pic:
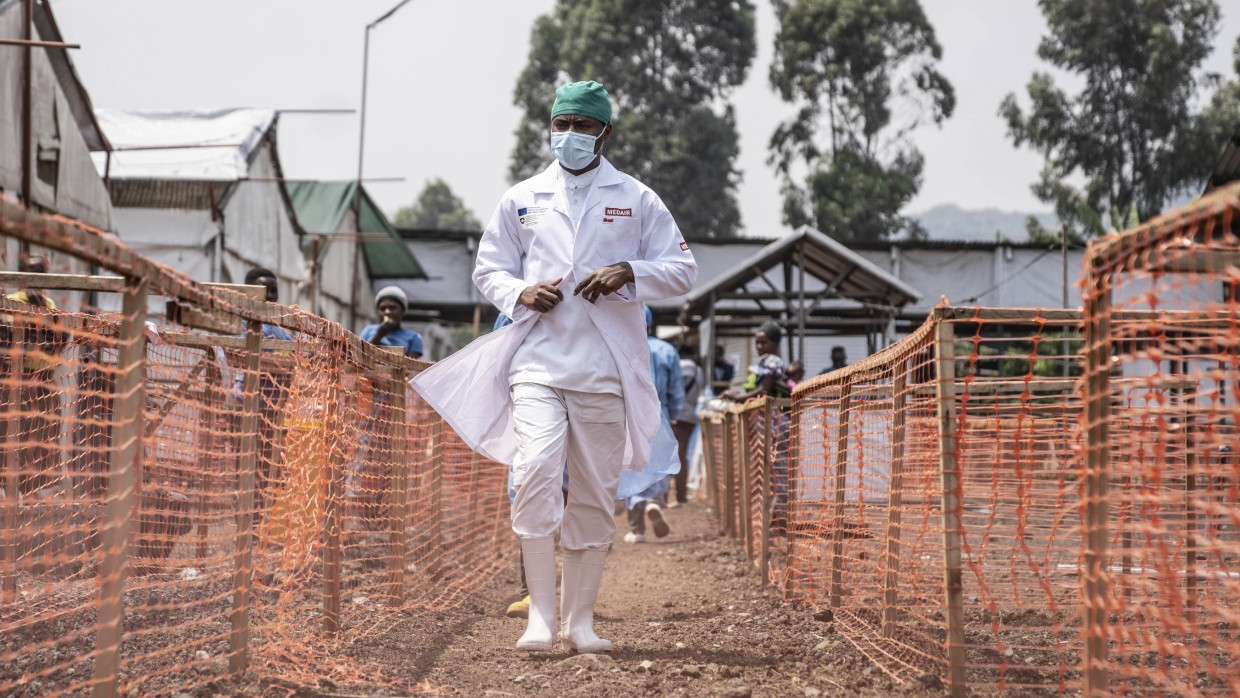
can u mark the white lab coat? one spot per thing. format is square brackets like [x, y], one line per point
[529, 239]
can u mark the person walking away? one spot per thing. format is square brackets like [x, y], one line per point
[570, 255]
[687, 422]
[669, 384]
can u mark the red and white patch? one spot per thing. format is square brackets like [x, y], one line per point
[609, 220]
[626, 212]
[684, 245]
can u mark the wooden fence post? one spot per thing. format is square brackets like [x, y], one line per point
[399, 478]
[745, 491]
[247, 466]
[471, 508]
[12, 466]
[953, 575]
[729, 471]
[841, 495]
[206, 455]
[434, 552]
[333, 504]
[125, 460]
[710, 436]
[895, 493]
[768, 461]
[796, 411]
[1097, 437]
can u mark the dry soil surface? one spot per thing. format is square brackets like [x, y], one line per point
[686, 613]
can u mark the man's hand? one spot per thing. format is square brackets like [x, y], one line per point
[542, 296]
[604, 280]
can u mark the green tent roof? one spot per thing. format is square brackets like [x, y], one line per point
[321, 207]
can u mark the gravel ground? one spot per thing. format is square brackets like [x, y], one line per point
[686, 614]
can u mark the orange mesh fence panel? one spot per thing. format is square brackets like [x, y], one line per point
[932, 500]
[180, 506]
[1160, 574]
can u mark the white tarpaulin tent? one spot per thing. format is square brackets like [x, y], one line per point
[202, 191]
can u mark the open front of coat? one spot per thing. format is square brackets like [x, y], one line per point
[529, 239]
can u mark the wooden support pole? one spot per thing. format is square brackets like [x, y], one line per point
[1097, 417]
[471, 508]
[841, 496]
[745, 491]
[399, 480]
[247, 481]
[435, 551]
[768, 462]
[12, 465]
[791, 515]
[333, 505]
[206, 459]
[710, 439]
[729, 461]
[895, 493]
[949, 467]
[123, 476]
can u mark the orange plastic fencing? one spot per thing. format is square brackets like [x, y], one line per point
[182, 505]
[975, 415]
[1161, 476]
[1027, 500]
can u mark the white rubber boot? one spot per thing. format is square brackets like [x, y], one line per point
[540, 580]
[583, 569]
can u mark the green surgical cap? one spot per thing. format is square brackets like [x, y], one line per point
[584, 99]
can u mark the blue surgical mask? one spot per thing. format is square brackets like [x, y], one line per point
[574, 150]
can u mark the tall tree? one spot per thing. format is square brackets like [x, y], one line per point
[864, 76]
[669, 67]
[1130, 131]
[437, 208]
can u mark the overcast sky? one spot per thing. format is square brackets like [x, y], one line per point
[442, 74]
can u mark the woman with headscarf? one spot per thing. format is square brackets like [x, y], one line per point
[767, 378]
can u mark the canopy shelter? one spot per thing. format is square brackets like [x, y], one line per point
[809, 283]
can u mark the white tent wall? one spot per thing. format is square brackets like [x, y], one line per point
[77, 189]
[258, 230]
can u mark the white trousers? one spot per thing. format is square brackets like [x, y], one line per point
[584, 432]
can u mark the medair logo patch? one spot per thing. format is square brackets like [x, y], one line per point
[619, 212]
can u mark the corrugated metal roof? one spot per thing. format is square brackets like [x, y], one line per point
[845, 273]
[321, 207]
[166, 193]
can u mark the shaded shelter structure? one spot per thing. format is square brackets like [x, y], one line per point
[811, 284]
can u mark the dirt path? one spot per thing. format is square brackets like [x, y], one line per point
[687, 617]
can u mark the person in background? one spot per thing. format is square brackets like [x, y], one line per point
[769, 378]
[669, 384]
[38, 434]
[687, 421]
[796, 373]
[391, 304]
[723, 370]
[838, 360]
[271, 391]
